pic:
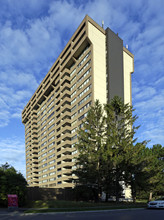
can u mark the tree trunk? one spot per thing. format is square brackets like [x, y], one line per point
[117, 189]
[106, 197]
[133, 192]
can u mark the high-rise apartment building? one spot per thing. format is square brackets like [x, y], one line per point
[93, 65]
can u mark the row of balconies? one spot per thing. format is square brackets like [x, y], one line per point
[63, 59]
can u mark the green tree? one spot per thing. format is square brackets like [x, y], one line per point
[152, 173]
[90, 149]
[108, 156]
[136, 168]
[155, 169]
[11, 182]
[120, 130]
[157, 179]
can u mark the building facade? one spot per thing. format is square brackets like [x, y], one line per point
[93, 65]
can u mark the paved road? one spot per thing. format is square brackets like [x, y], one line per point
[143, 214]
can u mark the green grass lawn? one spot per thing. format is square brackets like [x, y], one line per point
[62, 206]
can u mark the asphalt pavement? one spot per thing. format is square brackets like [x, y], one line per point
[131, 214]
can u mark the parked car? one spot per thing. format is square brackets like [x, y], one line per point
[156, 204]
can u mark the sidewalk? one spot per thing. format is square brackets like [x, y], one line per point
[7, 211]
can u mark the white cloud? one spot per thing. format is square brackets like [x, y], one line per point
[13, 151]
[4, 118]
[145, 92]
[34, 32]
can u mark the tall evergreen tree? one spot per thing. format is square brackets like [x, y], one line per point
[136, 172]
[90, 149]
[150, 178]
[107, 154]
[155, 169]
[120, 130]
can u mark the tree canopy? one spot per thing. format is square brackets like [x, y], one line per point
[108, 155]
[11, 182]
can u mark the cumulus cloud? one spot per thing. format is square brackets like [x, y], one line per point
[13, 151]
[34, 32]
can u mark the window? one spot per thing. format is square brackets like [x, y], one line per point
[84, 91]
[52, 179]
[43, 155]
[43, 133]
[43, 128]
[73, 79]
[43, 118]
[44, 165]
[45, 170]
[84, 51]
[84, 67]
[43, 107]
[51, 127]
[43, 149]
[44, 143]
[52, 161]
[84, 83]
[51, 133]
[43, 112]
[74, 130]
[74, 85]
[83, 116]
[51, 138]
[84, 75]
[43, 138]
[74, 115]
[84, 107]
[84, 59]
[51, 150]
[50, 145]
[51, 168]
[73, 72]
[50, 104]
[43, 122]
[73, 101]
[44, 160]
[51, 156]
[73, 123]
[50, 115]
[51, 109]
[74, 152]
[50, 98]
[74, 137]
[84, 99]
[51, 121]
[73, 93]
[45, 175]
[72, 109]
[52, 173]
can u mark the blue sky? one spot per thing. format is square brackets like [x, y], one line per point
[34, 32]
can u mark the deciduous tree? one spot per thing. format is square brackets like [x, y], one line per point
[11, 182]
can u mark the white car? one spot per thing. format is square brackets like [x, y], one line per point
[157, 204]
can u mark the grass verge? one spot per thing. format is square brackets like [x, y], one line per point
[69, 206]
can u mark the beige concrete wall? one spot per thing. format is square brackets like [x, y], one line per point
[127, 192]
[128, 69]
[99, 62]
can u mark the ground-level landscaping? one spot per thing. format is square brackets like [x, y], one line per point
[63, 206]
